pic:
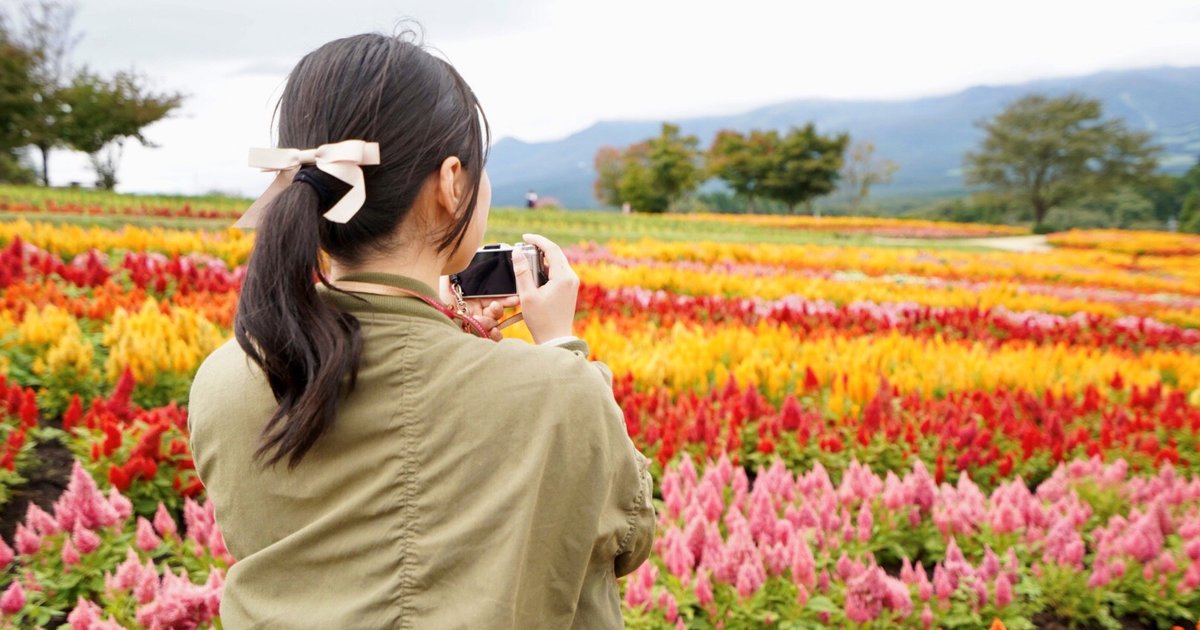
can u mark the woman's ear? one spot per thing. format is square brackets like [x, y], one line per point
[452, 180]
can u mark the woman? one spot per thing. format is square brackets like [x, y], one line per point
[372, 464]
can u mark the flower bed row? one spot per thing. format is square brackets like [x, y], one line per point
[990, 435]
[1090, 546]
[1129, 242]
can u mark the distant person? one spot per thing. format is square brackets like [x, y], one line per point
[626, 208]
[531, 200]
[373, 463]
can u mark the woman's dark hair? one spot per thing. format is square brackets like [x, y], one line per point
[416, 106]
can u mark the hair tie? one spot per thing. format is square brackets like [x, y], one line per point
[343, 160]
[325, 196]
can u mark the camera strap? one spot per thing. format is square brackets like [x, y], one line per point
[465, 321]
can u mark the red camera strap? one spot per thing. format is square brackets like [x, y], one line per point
[466, 322]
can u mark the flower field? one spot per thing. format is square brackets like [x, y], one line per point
[844, 435]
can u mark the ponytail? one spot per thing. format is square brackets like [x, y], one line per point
[305, 347]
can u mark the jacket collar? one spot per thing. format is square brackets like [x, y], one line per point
[373, 303]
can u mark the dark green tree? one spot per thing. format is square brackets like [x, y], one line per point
[806, 166]
[1189, 215]
[743, 161]
[16, 105]
[104, 113]
[1049, 151]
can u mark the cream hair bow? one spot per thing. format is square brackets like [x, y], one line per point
[344, 160]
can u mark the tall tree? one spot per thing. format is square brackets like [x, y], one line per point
[862, 170]
[743, 161]
[649, 175]
[674, 162]
[49, 36]
[1048, 151]
[104, 113]
[16, 104]
[806, 166]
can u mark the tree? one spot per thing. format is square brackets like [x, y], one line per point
[806, 166]
[103, 114]
[743, 162]
[863, 170]
[49, 37]
[1049, 151]
[16, 105]
[674, 163]
[1189, 215]
[69, 108]
[649, 175]
[608, 164]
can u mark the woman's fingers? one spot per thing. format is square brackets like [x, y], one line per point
[557, 265]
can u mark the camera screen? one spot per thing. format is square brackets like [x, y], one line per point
[489, 274]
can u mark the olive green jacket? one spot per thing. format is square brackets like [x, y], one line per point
[464, 484]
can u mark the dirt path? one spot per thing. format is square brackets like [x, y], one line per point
[1031, 243]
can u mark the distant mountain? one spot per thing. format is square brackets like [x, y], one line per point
[927, 137]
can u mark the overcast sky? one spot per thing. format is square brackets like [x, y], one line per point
[546, 69]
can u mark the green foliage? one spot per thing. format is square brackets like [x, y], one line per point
[1049, 151]
[744, 162]
[1189, 215]
[105, 112]
[45, 104]
[650, 175]
[805, 166]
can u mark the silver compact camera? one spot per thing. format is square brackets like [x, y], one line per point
[490, 273]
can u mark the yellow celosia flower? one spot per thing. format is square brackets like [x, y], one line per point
[156, 339]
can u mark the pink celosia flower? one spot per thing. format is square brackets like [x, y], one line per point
[670, 608]
[86, 616]
[750, 578]
[13, 599]
[178, 603]
[927, 617]
[823, 581]
[85, 539]
[1192, 549]
[1191, 578]
[82, 504]
[120, 504]
[1004, 591]
[636, 595]
[864, 595]
[803, 563]
[41, 522]
[70, 555]
[924, 586]
[28, 541]
[801, 596]
[6, 554]
[1166, 562]
[126, 576]
[991, 563]
[704, 594]
[943, 585]
[865, 523]
[147, 540]
[163, 521]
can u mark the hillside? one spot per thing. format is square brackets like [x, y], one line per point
[926, 136]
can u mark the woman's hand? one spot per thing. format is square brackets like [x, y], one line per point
[486, 311]
[549, 310]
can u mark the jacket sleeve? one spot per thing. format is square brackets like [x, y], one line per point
[633, 487]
